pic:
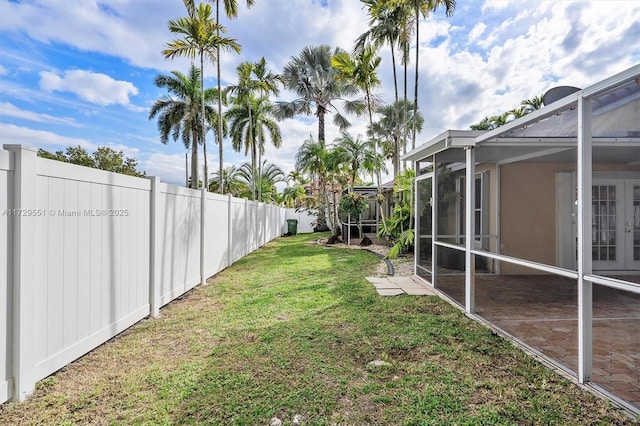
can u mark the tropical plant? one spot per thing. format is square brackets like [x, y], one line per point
[355, 152]
[422, 8]
[254, 79]
[399, 226]
[317, 86]
[310, 160]
[271, 175]
[527, 106]
[375, 164]
[103, 158]
[393, 126]
[297, 177]
[335, 161]
[385, 22]
[200, 37]
[361, 70]
[351, 206]
[232, 184]
[180, 117]
[231, 10]
[293, 196]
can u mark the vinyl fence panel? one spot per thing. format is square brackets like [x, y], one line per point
[240, 228]
[179, 215]
[91, 266]
[85, 254]
[6, 321]
[217, 239]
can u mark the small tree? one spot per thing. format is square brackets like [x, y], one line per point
[351, 206]
[104, 158]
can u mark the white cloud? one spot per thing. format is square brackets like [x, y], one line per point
[530, 52]
[92, 87]
[477, 31]
[497, 4]
[7, 109]
[12, 134]
[3, 70]
[170, 167]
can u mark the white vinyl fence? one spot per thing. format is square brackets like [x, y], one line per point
[85, 254]
[306, 219]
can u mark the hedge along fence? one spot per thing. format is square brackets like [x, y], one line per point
[85, 254]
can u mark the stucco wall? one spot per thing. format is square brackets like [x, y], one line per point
[528, 210]
[528, 213]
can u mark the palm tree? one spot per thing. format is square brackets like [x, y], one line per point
[422, 8]
[392, 127]
[530, 105]
[271, 175]
[296, 176]
[293, 196]
[231, 10]
[527, 106]
[385, 21]
[251, 123]
[309, 159]
[232, 184]
[312, 78]
[335, 162]
[254, 78]
[355, 153]
[182, 116]
[200, 37]
[361, 69]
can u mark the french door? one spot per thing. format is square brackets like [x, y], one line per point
[615, 207]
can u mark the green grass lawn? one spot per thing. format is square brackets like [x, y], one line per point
[288, 332]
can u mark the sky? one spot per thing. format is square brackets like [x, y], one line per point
[82, 72]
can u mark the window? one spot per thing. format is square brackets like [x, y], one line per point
[480, 210]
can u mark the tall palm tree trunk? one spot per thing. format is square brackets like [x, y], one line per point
[405, 112]
[194, 159]
[260, 172]
[415, 89]
[253, 155]
[334, 210]
[393, 64]
[219, 130]
[205, 178]
[321, 110]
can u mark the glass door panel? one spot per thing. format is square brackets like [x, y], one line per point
[632, 224]
[606, 236]
[424, 213]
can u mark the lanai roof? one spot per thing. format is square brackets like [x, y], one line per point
[552, 130]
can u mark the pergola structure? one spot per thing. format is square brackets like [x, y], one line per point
[535, 227]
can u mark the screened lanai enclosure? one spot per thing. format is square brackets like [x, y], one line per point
[534, 227]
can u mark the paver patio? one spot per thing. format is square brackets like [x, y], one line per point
[542, 312]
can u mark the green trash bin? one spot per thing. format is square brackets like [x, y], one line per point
[292, 225]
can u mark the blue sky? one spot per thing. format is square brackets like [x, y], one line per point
[81, 73]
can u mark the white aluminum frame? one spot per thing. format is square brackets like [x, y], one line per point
[582, 101]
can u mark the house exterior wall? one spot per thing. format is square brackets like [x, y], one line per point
[490, 171]
[528, 213]
[528, 210]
